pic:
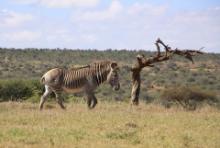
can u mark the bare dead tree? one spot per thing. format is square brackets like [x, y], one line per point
[142, 62]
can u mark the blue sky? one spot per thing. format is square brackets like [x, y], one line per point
[116, 24]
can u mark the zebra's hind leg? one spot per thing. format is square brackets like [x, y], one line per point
[47, 92]
[59, 99]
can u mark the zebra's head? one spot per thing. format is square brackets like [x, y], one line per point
[113, 78]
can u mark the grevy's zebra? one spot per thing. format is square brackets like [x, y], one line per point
[83, 79]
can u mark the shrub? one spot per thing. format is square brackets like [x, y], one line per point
[187, 97]
[14, 90]
[37, 90]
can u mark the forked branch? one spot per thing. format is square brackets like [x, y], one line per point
[142, 62]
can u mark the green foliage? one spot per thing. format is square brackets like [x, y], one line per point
[188, 97]
[15, 90]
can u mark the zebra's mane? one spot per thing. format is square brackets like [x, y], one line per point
[102, 63]
[79, 67]
[101, 67]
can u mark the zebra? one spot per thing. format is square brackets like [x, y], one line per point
[82, 79]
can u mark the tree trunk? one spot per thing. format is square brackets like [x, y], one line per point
[136, 85]
[142, 62]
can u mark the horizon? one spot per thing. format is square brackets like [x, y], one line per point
[116, 24]
[93, 49]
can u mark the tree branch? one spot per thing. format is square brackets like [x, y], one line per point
[142, 62]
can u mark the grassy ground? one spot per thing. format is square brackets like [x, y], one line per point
[109, 125]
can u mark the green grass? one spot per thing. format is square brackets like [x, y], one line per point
[109, 125]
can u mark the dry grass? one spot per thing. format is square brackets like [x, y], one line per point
[110, 125]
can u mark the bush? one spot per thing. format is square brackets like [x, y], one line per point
[37, 90]
[14, 90]
[19, 89]
[188, 97]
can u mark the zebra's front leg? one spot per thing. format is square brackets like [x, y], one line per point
[47, 92]
[91, 100]
[94, 101]
[59, 99]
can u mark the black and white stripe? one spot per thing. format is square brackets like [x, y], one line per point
[83, 79]
[76, 78]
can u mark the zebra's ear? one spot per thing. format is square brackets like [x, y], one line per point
[114, 65]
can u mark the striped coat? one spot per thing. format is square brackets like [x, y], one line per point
[83, 79]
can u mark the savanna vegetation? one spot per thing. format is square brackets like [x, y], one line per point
[109, 125]
[169, 90]
[21, 69]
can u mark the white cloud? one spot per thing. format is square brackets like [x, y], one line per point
[25, 2]
[68, 3]
[119, 25]
[64, 37]
[103, 15]
[89, 38]
[21, 36]
[13, 19]
[138, 9]
[194, 29]
[56, 35]
[60, 3]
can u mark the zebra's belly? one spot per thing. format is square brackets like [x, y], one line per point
[72, 90]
